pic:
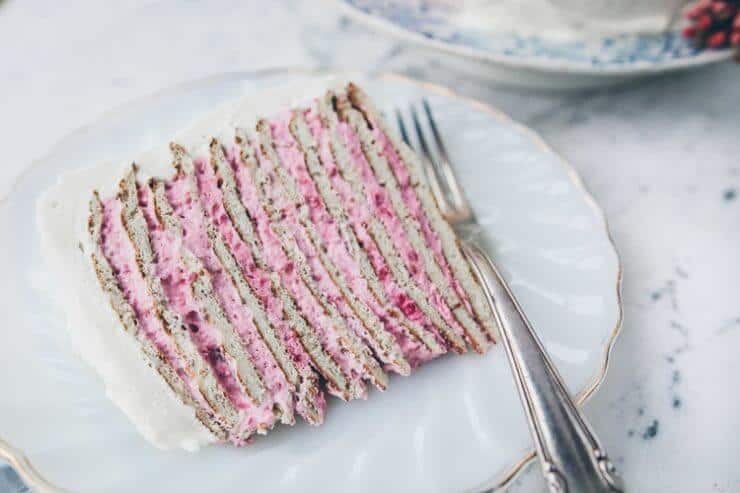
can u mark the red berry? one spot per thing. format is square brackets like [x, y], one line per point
[704, 22]
[735, 39]
[719, 6]
[696, 11]
[689, 32]
[717, 40]
[722, 10]
[736, 23]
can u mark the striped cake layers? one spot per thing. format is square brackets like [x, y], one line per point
[305, 256]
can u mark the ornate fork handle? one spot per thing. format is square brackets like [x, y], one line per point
[571, 457]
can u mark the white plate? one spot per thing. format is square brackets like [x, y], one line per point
[530, 61]
[455, 425]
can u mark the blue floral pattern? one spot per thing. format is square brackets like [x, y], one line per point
[432, 20]
[10, 482]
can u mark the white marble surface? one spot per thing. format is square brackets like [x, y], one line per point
[661, 156]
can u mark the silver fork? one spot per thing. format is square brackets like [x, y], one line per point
[571, 457]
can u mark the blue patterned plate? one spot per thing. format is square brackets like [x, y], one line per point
[577, 63]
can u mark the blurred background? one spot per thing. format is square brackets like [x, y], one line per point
[661, 155]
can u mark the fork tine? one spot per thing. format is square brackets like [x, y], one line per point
[426, 160]
[420, 133]
[428, 152]
[442, 190]
[444, 166]
[402, 127]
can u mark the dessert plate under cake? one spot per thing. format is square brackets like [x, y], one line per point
[543, 229]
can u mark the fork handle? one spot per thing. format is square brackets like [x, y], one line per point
[571, 457]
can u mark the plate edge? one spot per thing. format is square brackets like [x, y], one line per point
[23, 466]
[548, 66]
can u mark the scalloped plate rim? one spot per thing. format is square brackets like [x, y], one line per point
[36, 480]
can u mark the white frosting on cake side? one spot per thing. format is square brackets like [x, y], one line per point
[62, 213]
[93, 326]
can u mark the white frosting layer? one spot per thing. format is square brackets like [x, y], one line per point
[96, 333]
[569, 19]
